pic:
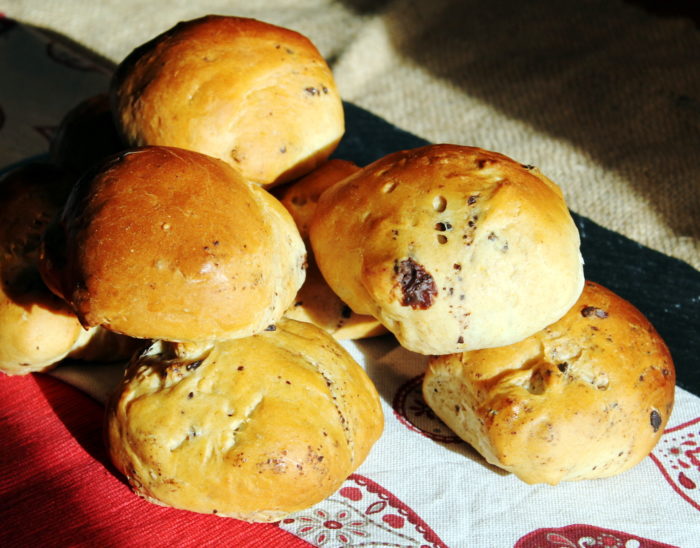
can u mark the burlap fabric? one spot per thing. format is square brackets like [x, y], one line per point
[602, 95]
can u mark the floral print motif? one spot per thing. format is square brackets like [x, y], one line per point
[362, 513]
[584, 536]
[678, 457]
[322, 528]
[412, 411]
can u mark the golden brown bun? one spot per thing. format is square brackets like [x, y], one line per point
[85, 136]
[254, 428]
[255, 95]
[451, 248]
[587, 397]
[164, 243]
[37, 329]
[316, 302]
[301, 197]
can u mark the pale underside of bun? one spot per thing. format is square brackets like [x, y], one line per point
[301, 197]
[587, 397]
[253, 428]
[451, 248]
[257, 96]
[316, 302]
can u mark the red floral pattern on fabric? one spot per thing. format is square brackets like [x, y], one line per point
[362, 513]
[678, 457]
[412, 411]
[585, 536]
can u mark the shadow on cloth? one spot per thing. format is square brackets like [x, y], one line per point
[82, 416]
[397, 374]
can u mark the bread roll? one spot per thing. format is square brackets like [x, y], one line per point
[301, 197]
[316, 302]
[586, 397]
[37, 329]
[452, 248]
[255, 95]
[164, 243]
[85, 136]
[254, 428]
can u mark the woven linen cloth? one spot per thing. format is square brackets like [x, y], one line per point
[602, 96]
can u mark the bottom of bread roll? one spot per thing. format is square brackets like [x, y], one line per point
[253, 428]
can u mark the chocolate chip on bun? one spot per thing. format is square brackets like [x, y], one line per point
[165, 243]
[450, 247]
[586, 397]
[257, 96]
[252, 428]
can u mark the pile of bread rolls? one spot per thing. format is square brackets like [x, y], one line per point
[473, 259]
[194, 220]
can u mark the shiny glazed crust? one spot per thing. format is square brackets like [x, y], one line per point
[255, 95]
[587, 397]
[252, 428]
[451, 248]
[163, 243]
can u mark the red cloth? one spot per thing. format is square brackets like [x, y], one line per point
[57, 487]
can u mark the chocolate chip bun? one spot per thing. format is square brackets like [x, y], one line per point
[452, 248]
[253, 428]
[301, 197]
[257, 96]
[37, 329]
[587, 397]
[165, 243]
[316, 302]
